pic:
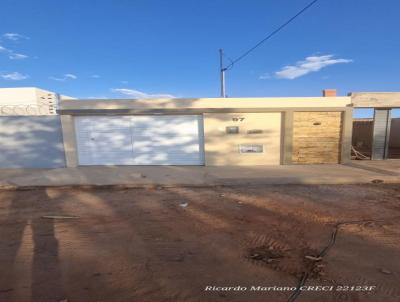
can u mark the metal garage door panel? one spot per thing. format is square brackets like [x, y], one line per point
[140, 140]
[104, 140]
[167, 140]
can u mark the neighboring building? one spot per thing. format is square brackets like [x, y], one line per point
[28, 101]
[363, 129]
[383, 143]
[207, 131]
[30, 129]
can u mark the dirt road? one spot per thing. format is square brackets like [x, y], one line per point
[191, 244]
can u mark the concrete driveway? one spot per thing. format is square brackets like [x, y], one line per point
[354, 172]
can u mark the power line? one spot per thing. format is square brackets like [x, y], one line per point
[270, 35]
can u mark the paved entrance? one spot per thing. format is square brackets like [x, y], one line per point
[354, 172]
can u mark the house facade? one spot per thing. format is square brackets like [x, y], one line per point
[207, 131]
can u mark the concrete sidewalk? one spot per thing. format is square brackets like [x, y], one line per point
[355, 172]
[388, 167]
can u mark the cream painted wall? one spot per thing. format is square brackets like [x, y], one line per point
[209, 103]
[223, 149]
[375, 99]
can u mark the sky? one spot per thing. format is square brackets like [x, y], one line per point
[147, 48]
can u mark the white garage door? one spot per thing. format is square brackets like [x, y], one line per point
[140, 140]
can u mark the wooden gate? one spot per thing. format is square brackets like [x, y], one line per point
[316, 137]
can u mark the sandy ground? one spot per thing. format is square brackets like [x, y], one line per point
[169, 244]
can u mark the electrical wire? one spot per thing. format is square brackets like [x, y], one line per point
[270, 35]
[325, 250]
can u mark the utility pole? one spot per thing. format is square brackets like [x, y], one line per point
[222, 70]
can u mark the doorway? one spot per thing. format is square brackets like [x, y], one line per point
[394, 138]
